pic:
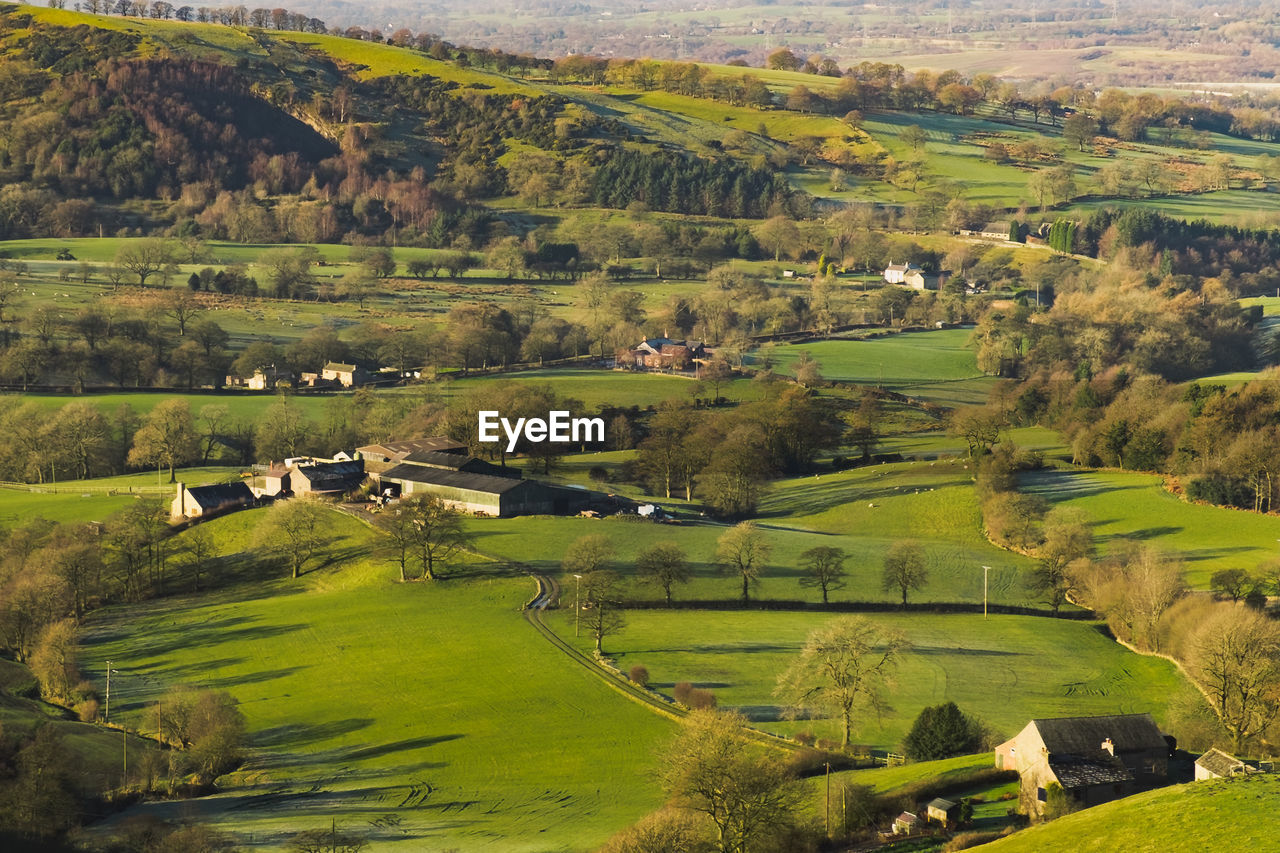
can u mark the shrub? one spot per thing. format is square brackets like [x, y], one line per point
[598, 473]
[965, 840]
[805, 738]
[87, 710]
[639, 675]
[681, 692]
[701, 700]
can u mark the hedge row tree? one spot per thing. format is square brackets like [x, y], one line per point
[904, 569]
[742, 552]
[1067, 538]
[844, 666]
[663, 564]
[168, 437]
[823, 568]
[601, 605]
[746, 793]
[1235, 657]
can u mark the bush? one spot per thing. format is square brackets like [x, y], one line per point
[87, 710]
[965, 840]
[681, 692]
[701, 700]
[805, 738]
[942, 731]
[639, 675]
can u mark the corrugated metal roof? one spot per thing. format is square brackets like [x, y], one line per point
[455, 479]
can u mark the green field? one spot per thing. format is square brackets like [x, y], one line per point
[595, 388]
[1127, 505]
[1003, 669]
[863, 511]
[894, 361]
[1182, 817]
[428, 715]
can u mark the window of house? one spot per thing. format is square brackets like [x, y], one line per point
[1042, 795]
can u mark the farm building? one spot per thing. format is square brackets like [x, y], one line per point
[379, 457]
[663, 353]
[483, 494]
[905, 824]
[897, 273]
[201, 501]
[317, 478]
[1216, 764]
[264, 380]
[1094, 759]
[346, 375]
[921, 280]
[942, 811]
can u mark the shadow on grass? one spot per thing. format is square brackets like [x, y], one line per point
[301, 734]
[365, 753]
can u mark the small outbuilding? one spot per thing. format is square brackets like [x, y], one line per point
[906, 823]
[1216, 764]
[203, 501]
[330, 478]
[942, 811]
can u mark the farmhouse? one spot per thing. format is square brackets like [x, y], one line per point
[1094, 759]
[201, 501]
[1216, 764]
[346, 375]
[325, 478]
[897, 273]
[995, 230]
[921, 280]
[663, 353]
[264, 380]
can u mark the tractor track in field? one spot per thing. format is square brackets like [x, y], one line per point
[548, 595]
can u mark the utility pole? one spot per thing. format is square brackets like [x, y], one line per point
[985, 571]
[577, 610]
[828, 809]
[106, 711]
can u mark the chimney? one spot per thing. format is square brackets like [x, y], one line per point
[182, 500]
[1109, 747]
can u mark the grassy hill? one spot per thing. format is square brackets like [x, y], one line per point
[429, 716]
[1130, 505]
[1225, 814]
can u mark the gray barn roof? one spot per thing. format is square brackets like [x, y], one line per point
[1077, 771]
[1219, 763]
[454, 479]
[220, 494]
[1084, 735]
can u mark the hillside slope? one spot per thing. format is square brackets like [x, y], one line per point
[1223, 815]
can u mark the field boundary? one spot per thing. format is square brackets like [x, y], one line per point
[546, 595]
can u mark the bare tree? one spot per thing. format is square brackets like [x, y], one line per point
[823, 568]
[601, 604]
[663, 564]
[293, 531]
[844, 665]
[1235, 656]
[145, 258]
[746, 793]
[426, 529]
[743, 551]
[904, 569]
[168, 437]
